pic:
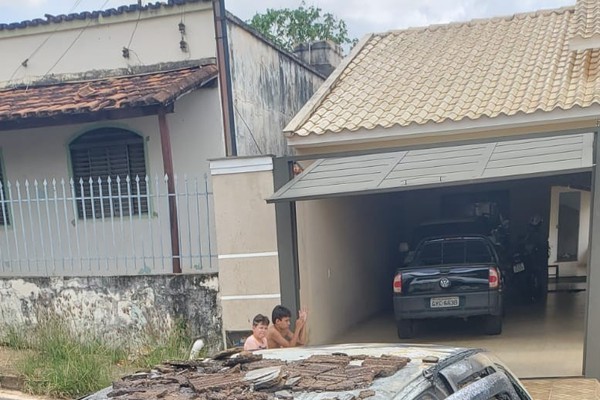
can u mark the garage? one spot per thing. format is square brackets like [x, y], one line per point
[495, 118]
[353, 212]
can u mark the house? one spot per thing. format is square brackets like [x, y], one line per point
[130, 93]
[494, 117]
[107, 122]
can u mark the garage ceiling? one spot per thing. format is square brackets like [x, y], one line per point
[443, 166]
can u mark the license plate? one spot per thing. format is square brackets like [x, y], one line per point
[519, 267]
[442, 302]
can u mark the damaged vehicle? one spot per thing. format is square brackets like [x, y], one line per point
[342, 372]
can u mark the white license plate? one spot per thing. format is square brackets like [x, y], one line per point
[442, 302]
[519, 267]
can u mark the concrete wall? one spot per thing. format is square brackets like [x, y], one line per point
[269, 88]
[345, 265]
[247, 240]
[43, 153]
[97, 44]
[118, 309]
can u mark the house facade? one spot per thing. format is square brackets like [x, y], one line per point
[494, 118]
[108, 121]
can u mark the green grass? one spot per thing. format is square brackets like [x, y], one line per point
[175, 346]
[61, 364]
[15, 339]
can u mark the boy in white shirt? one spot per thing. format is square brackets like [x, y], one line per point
[258, 339]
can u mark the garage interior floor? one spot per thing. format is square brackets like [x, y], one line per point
[537, 341]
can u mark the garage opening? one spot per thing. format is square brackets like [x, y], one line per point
[356, 217]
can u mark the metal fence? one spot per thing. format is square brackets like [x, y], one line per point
[105, 226]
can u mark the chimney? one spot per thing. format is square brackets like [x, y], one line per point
[323, 55]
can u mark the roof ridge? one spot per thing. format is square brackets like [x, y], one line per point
[94, 14]
[478, 21]
[99, 75]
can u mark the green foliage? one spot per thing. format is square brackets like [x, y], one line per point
[61, 364]
[289, 27]
[176, 346]
[14, 338]
[66, 366]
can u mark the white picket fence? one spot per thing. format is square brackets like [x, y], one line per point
[99, 227]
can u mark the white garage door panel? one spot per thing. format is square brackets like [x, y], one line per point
[438, 170]
[544, 159]
[337, 166]
[558, 166]
[408, 165]
[449, 154]
[525, 144]
[528, 152]
[405, 170]
[320, 174]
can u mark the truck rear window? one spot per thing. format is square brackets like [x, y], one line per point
[462, 251]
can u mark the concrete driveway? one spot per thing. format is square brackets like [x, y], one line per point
[536, 341]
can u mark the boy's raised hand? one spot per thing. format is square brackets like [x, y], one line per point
[303, 314]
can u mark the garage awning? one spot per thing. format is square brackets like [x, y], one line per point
[443, 166]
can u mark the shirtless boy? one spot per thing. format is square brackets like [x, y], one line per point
[279, 333]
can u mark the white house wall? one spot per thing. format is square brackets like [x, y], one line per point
[43, 154]
[269, 88]
[97, 44]
[343, 254]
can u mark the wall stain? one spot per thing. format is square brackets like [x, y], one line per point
[119, 308]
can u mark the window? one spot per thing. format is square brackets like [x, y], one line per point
[109, 154]
[440, 252]
[4, 206]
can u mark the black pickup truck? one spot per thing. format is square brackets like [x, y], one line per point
[450, 276]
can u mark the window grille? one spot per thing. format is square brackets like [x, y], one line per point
[109, 168]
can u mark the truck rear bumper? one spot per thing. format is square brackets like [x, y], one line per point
[470, 304]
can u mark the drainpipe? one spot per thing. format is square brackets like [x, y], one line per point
[167, 156]
[224, 66]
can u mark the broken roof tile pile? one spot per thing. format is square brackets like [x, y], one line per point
[482, 68]
[224, 377]
[150, 89]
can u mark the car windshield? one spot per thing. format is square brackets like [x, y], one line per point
[454, 251]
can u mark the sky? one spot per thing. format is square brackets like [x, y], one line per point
[361, 16]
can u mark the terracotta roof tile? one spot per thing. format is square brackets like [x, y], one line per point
[493, 67]
[151, 89]
[587, 19]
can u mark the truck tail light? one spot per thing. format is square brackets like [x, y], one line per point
[398, 283]
[494, 278]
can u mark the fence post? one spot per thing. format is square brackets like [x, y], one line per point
[165, 142]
